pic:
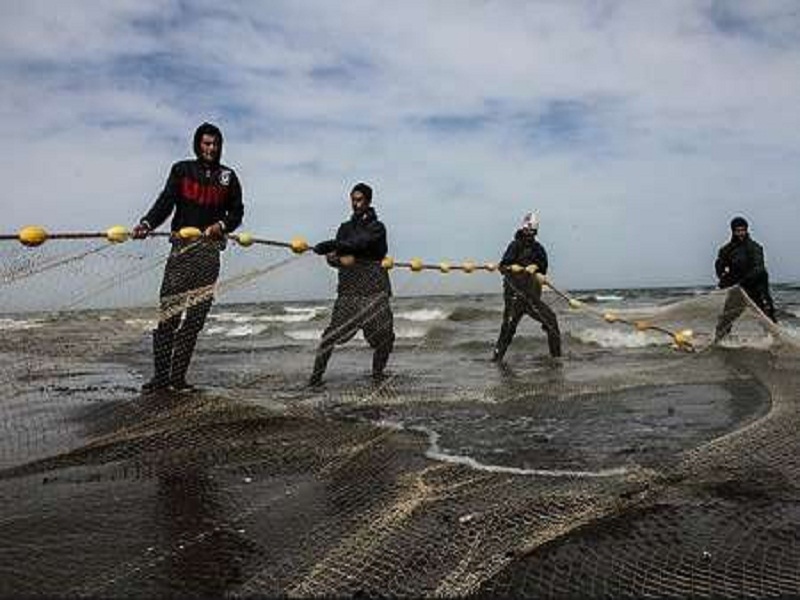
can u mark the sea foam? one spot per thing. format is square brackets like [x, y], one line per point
[615, 338]
[19, 324]
[423, 314]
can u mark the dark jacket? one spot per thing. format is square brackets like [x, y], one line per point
[524, 250]
[201, 194]
[363, 237]
[745, 265]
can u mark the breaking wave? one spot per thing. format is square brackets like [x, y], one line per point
[611, 338]
[305, 335]
[20, 324]
[423, 314]
[465, 313]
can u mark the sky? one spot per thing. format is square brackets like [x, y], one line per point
[636, 130]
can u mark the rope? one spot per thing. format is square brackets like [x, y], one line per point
[34, 235]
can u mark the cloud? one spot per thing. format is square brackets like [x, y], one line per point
[635, 129]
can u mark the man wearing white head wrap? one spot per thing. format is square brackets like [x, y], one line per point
[530, 222]
[522, 291]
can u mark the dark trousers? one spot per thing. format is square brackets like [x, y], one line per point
[735, 304]
[373, 315]
[518, 305]
[187, 292]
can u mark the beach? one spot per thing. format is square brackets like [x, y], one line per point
[453, 476]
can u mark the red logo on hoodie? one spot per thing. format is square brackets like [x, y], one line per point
[203, 194]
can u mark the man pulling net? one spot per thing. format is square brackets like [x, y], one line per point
[522, 292]
[204, 194]
[364, 288]
[741, 262]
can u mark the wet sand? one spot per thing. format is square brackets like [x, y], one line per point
[264, 489]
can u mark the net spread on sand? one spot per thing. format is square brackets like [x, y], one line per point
[625, 469]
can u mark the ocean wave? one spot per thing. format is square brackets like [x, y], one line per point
[304, 309]
[304, 335]
[615, 338]
[410, 333]
[231, 317]
[757, 342]
[292, 318]
[465, 313]
[294, 315]
[792, 332]
[241, 330]
[20, 325]
[474, 346]
[143, 324]
[403, 333]
[608, 298]
[423, 314]
[601, 298]
[439, 333]
[245, 330]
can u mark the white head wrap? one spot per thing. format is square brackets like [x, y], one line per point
[530, 221]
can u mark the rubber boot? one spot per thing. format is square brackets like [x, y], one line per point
[500, 348]
[511, 317]
[185, 341]
[769, 307]
[162, 355]
[554, 343]
[379, 359]
[320, 364]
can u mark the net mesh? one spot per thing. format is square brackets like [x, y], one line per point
[626, 468]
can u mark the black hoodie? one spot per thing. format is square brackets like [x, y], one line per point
[744, 261]
[200, 193]
[363, 237]
[524, 250]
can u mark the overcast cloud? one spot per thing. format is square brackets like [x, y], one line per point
[636, 129]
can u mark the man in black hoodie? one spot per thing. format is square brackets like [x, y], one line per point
[522, 291]
[204, 194]
[741, 262]
[364, 288]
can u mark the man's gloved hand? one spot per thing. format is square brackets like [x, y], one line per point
[214, 232]
[726, 279]
[140, 231]
[333, 260]
[325, 247]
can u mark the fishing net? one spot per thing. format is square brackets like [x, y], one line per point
[647, 460]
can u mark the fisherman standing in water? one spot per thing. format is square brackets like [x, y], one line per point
[522, 290]
[206, 195]
[364, 289]
[741, 262]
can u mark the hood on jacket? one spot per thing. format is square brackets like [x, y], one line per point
[207, 129]
[367, 216]
[737, 222]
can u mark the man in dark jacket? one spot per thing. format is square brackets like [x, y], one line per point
[364, 288]
[522, 291]
[206, 195]
[741, 262]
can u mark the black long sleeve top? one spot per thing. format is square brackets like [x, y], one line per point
[524, 251]
[200, 194]
[363, 236]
